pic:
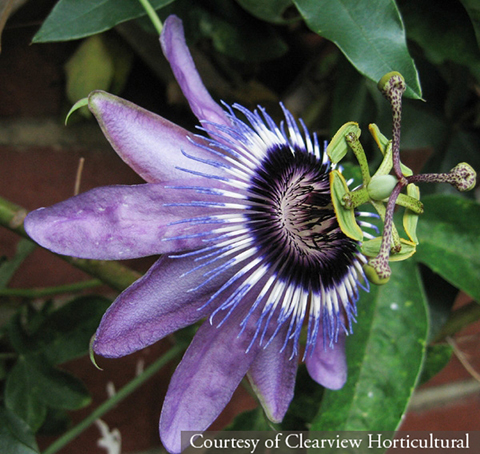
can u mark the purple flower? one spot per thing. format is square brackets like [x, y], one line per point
[244, 218]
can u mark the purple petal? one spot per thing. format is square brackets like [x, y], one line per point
[118, 222]
[328, 365]
[205, 380]
[149, 144]
[183, 67]
[156, 305]
[272, 376]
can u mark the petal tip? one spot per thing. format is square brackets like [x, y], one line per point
[335, 381]
[35, 223]
[170, 437]
[328, 366]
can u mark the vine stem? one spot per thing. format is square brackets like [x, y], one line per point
[114, 400]
[157, 23]
[112, 273]
[50, 291]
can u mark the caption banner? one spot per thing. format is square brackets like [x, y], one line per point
[330, 442]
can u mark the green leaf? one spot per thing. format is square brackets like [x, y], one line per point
[370, 34]
[424, 127]
[449, 236]
[267, 10]
[22, 395]
[33, 384]
[18, 337]
[305, 404]
[351, 100]
[66, 333]
[421, 127]
[244, 41]
[73, 19]
[61, 335]
[463, 145]
[100, 62]
[15, 435]
[385, 356]
[441, 297]
[438, 356]
[57, 388]
[56, 422]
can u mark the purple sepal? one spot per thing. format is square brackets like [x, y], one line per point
[183, 67]
[272, 376]
[149, 144]
[328, 365]
[156, 305]
[204, 381]
[119, 222]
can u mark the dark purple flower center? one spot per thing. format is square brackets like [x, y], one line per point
[294, 220]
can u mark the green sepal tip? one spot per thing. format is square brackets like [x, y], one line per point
[91, 353]
[78, 105]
